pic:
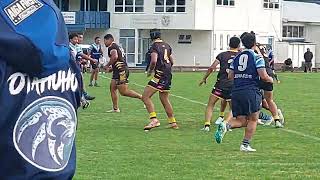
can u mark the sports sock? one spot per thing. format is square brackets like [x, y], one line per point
[245, 142]
[172, 120]
[222, 114]
[153, 115]
[276, 118]
[207, 123]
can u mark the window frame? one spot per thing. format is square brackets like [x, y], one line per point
[175, 6]
[288, 31]
[124, 6]
[222, 3]
[268, 4]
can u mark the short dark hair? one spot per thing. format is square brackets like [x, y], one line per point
[108, 36]
[96, 38]
[248, 40]
[72, 35]
[155, 34]
[234, 42]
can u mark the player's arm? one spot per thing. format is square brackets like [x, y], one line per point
[113, 57]
[260, 65]
[211, 69]
[230, 74]
[88, 58]
[171, 59]
[264, 75]
[153, 62]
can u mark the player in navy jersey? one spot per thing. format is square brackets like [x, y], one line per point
[223, 87]
[95, 53]
[39, 93]
[246, 69]
[160, 64]
[120, 73]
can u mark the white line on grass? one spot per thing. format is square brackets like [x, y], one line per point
[198, 102]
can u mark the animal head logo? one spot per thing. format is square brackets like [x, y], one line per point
[165, 21]
[45, 132]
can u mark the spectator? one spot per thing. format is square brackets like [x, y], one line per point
[287, 65]
[308, 56]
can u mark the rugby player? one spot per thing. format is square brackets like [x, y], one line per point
[40, 93]
[271, 62]
[246, 70]
[160, 64]
[96, 53]
[120, 70]
[267, 88]
[77, 52]
[223, 87]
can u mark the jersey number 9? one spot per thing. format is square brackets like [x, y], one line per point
[243, 62]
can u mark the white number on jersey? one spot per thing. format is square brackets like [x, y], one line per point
[243, 62]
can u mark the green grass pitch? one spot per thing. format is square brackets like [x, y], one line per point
[114, 146]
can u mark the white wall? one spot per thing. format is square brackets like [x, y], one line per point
[312, 35]
[246, 16]
[185, 53]
[150, 19]
[204, 13]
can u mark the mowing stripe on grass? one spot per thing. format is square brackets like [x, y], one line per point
[198, 102]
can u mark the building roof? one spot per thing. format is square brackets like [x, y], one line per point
[301, 12]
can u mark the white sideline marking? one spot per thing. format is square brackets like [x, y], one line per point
[198, 102]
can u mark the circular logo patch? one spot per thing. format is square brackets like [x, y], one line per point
[45, 132]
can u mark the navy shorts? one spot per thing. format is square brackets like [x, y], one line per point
[121, 77]
[246, 102]
[163, 84]
[222, 94]
[266, 86]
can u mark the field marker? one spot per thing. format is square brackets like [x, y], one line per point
[198, 102]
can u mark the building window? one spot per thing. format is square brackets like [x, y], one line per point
[129, 6]
[225, 2]
[184, 39]
[144, 45]
[221, 41]
[228, 39]
[127, 42]
[293, 31]
[170, 6]
[271, 4]
[94, 5]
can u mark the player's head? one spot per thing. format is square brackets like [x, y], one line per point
[308, 49]
[234, 43]
[80, 38]
[155, 34]
[248, 40]
[97, 40]
[108, 40]
[73, 38]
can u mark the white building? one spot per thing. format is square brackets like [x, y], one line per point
[197, 30]
[301, 29]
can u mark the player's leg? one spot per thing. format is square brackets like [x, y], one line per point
[209, 110]
[273, 108]
[125, 91]
[92, 75]
[96, 77]
[146, 98]
[249, 132]
[164, 98]
[114, 96]
[223, 106]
